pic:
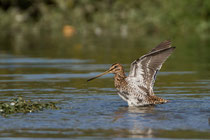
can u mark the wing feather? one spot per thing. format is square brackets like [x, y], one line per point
[163, 45]
[143, 71]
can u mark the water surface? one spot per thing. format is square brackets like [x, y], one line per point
[94, 110]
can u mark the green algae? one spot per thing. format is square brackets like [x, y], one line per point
[20, 105]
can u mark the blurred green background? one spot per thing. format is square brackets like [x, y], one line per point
[82, 28]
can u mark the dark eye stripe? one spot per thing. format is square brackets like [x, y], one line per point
[112, 69]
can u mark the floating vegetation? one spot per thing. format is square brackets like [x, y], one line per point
[19, 105]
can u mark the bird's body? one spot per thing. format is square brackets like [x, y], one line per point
[136, 95]
[137, 87]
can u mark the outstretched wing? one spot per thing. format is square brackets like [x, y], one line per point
[143, 70]
[163, 45]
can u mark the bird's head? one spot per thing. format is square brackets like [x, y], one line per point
[115, 68]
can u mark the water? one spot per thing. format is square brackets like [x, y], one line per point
[94, 110]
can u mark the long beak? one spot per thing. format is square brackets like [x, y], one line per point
[106, 72]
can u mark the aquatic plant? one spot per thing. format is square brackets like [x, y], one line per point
[20, 105]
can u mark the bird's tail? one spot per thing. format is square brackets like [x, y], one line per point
[158, 100]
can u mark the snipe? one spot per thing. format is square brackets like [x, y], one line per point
[137, 87]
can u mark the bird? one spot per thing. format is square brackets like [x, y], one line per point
[137, 88]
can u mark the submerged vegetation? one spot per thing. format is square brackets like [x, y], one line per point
[20, 105]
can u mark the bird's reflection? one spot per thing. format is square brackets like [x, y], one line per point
[140, 110]
[137, 130]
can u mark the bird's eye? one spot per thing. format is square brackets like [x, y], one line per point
[115, 66]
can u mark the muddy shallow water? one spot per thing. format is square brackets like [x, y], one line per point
[94, 110]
